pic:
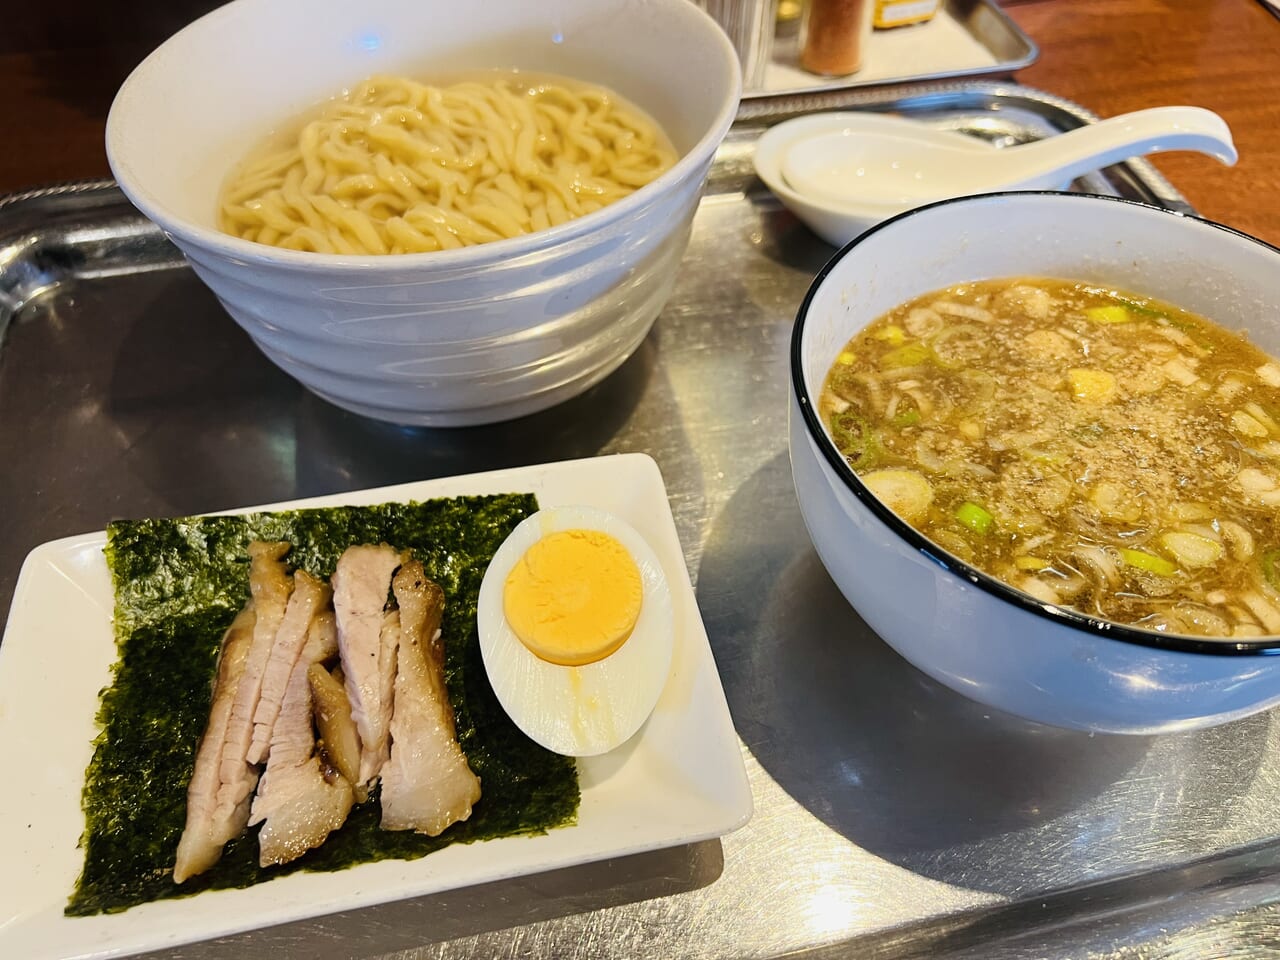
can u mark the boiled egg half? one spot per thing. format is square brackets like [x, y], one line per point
[576, 629]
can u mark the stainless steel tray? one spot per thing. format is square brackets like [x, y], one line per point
[967, 38]
[894, 818]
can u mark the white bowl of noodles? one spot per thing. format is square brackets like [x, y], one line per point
[1044, 657]
[475, 334]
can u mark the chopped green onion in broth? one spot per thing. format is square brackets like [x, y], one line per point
[1098, 449]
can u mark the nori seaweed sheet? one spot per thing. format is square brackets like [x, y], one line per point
[178, 584]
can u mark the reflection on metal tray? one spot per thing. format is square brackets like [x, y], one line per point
[967, 38]
[893, 818]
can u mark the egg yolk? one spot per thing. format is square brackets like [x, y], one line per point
[574, 597]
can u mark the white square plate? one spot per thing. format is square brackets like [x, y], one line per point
[679, 780]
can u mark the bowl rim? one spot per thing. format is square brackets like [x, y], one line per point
[229, 247]
[953, 565]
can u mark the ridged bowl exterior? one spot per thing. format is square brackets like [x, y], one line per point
[473, 346]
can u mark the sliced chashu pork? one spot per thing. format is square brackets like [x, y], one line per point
[366, 643]
[206, 832]
[426, 784]
[309, 597]
[339, 741]
[270, 586]
[301, 798]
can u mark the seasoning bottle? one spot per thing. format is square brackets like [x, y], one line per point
[832, 36]
[899, 13]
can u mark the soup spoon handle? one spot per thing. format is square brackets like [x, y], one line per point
[1057, 160]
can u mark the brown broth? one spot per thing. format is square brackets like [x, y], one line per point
[1096, 449]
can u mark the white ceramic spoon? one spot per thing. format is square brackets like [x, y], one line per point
[906, 165]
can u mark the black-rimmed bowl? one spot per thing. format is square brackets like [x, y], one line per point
[964, 628]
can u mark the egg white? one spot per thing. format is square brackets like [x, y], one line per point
[591, 709]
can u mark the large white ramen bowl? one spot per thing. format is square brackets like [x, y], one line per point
[962, 627]
[466, 336]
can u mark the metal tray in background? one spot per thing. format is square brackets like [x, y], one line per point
[967, 38]
[893, 817]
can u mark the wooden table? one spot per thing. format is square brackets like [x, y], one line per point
[1118, 55]
[60, 66]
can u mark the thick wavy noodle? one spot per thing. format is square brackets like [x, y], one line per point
[398, 166]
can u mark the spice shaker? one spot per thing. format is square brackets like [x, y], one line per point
[832, 35]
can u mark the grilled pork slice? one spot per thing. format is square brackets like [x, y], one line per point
[206, 833]
[426, 784]
[270, 586]
[309, 596]
[339, 742]
[367, 645]
[388, 664]
[324, 628]
[301, 799]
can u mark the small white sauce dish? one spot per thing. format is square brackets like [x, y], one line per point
[962, 627]
[843, 172]
[839, 222]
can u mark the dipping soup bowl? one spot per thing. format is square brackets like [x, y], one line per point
[959, 625]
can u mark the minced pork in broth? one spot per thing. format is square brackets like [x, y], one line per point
[1095, 449]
